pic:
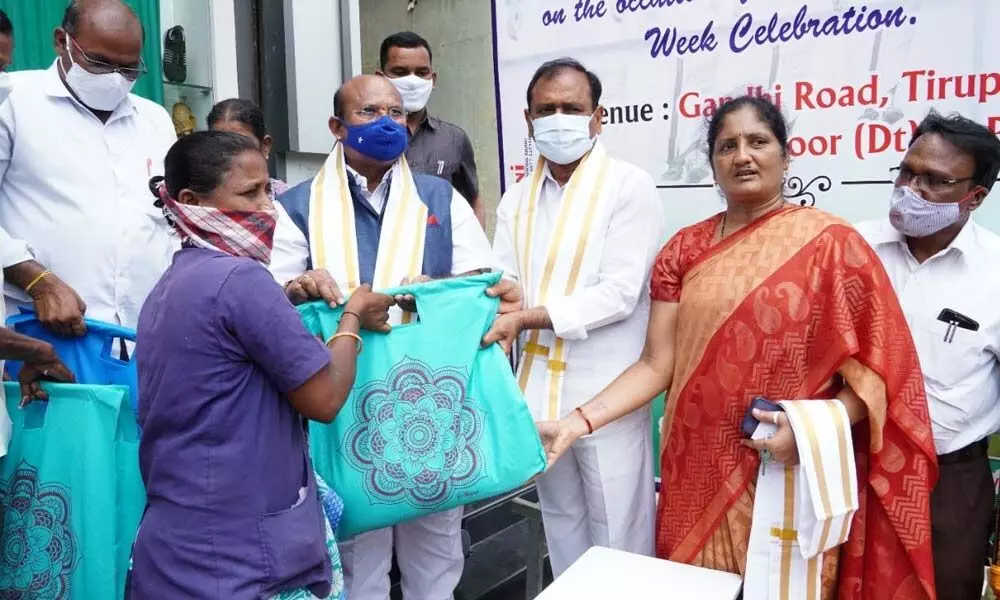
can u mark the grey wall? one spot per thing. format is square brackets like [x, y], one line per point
[460, 34]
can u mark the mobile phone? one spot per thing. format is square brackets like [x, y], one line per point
[750, 422]
[953, 317]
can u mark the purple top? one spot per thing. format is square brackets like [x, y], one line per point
[223, 453]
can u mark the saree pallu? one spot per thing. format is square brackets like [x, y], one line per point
[787, 308]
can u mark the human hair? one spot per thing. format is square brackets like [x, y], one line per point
[403, 39]
[338, 104]
[74, 12]
[554, 67]
[199, 162]
[971, 138]
[766, 111]
[6, 27]
[241, 111]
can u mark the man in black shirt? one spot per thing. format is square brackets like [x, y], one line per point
[437, 147]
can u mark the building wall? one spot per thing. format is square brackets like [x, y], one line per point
[460, 34]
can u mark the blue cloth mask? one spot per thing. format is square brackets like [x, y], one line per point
[382, 139]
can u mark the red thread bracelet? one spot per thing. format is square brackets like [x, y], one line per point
[590, 427]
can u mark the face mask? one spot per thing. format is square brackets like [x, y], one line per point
[913, 216]
[383, 139]
[414, 90]
[563, 139]
[99, 91]
[248, 233]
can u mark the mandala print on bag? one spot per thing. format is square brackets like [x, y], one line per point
[416, 436]
[39, 551]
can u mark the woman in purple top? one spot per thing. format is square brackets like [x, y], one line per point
[227, 375]
[245, 118]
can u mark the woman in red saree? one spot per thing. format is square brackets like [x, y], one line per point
[789, 303]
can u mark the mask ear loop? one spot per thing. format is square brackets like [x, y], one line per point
[158, 185]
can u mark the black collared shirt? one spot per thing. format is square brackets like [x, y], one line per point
[443, 149]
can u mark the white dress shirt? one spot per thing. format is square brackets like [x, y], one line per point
[604, 323]
[470, 247]
[962, 377]
[77, 191]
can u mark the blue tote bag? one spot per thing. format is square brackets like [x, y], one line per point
[94, 357]
[71, 495]
[434, 421]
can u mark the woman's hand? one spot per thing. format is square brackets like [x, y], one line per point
[371, 309]
[558, 436]
[46, 367]
[313, 285]
[782, 445]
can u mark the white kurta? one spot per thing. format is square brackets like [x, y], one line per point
[77, 191]
[601, 492]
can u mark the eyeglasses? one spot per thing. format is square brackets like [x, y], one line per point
[102, 68]
[932, 183]
[371, 112]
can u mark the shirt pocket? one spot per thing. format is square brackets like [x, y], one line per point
[293, 539]
[947, 363]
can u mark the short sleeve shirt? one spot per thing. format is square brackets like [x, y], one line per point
[680, 253]
[443, 149]
[220, 348]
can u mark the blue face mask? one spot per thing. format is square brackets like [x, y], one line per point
[383, 139]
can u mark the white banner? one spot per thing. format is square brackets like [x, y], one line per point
[853, 79]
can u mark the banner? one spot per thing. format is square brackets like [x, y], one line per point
[853, 79]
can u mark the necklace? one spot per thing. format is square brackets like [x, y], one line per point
[722, 234]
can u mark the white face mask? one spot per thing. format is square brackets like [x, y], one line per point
[913, 216]
[563, 139]
[415, 90]
[99, 91]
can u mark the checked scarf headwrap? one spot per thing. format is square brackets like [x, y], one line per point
[247, 233]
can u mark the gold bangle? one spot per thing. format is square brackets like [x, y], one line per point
[34, 282]
[357, 338]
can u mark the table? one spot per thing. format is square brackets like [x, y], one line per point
[606, 574]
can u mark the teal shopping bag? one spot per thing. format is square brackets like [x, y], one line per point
[70, 494]
[434, 421]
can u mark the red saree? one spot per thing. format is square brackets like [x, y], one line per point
[786, 309]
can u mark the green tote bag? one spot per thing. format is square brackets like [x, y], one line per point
[70, 494]
[434, 421]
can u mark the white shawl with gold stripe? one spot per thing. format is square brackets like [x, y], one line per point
[586, 200]
[801, 512]
[333, 241]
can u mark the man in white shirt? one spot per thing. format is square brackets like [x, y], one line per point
[366, 218]
[944, 267]
[580, 236]
[77, 151]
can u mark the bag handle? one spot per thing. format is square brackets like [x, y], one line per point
[461, 290]
[36, 413]
[108, 332]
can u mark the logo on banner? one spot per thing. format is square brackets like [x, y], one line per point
[523, 169]
[518, 172]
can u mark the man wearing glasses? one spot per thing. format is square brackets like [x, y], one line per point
[77, 151]
[944, 267]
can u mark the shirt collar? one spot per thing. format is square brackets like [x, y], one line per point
[362, 181]
[964, 242]
[428, 121]
[55, 87]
